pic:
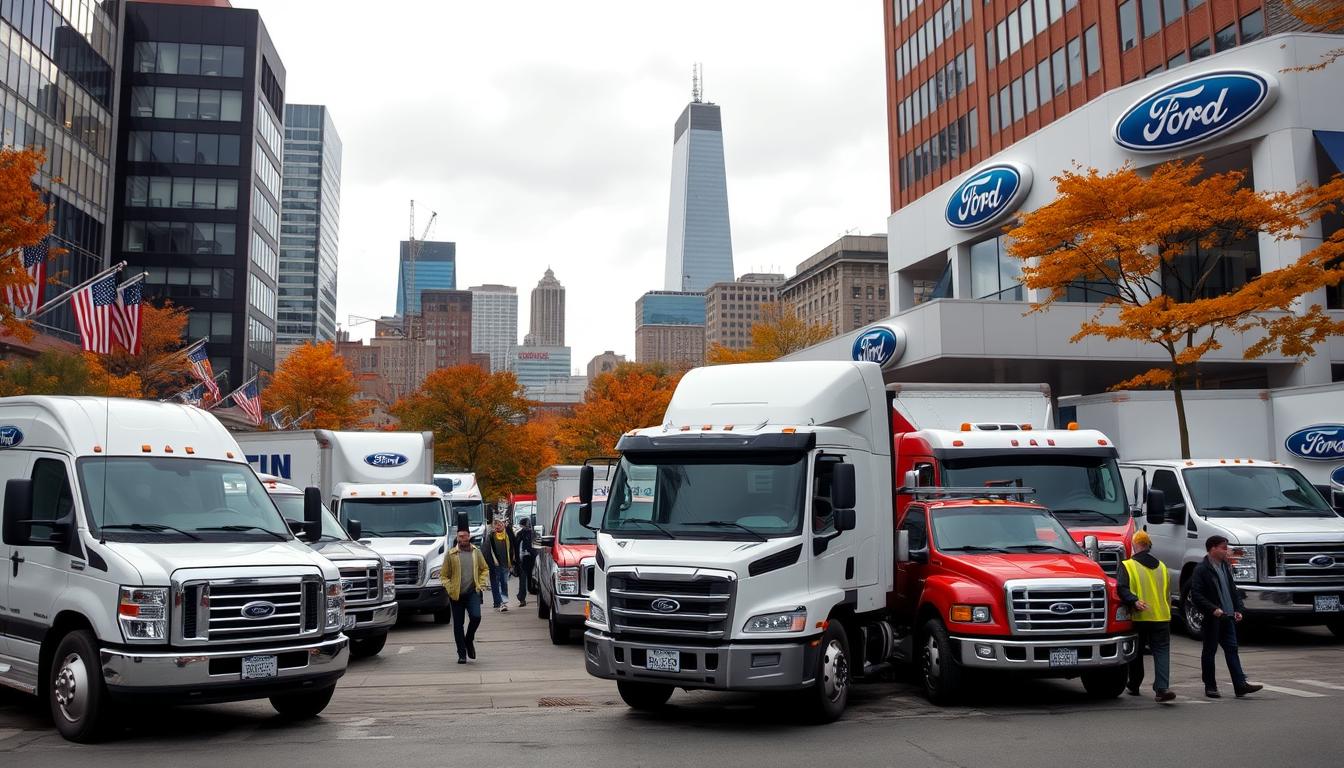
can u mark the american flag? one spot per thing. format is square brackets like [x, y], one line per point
[94, 306]
[126, 318]
[27, 298]
[200, 365]
[194, 396]
[247, 398]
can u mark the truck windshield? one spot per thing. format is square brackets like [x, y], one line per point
[668, 495]
[1079, 490]
[397, 518]
[291, 506]
[474, 509]
[159, 499]
[571, 532]
[1241, 491]
[999, 528]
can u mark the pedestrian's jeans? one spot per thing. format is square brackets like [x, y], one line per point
[524, 574]
[1221, 630]
[468, 605]
[499, 584]
[1156, 636]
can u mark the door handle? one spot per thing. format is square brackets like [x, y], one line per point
[16, 558]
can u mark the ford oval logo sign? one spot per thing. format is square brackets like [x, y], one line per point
[10, 437]
[1193, 110]
[258, 609]
[1336, 477]
[1322, 561]
[988, 195]
[882, 345]
[385, 459]
[664, 605]
[1322, 442]
[1061, 608]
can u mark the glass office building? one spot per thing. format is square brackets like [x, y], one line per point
[699, 239]
[435, 269]
[310, 213]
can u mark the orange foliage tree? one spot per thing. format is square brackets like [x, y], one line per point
[64, 373]
[778, 333]
[1155, 243]
[23, 222]
[161, 370]
[631, 396]
[315, 378]
[1322, 16]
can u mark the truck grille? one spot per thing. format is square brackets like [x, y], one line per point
[1305, 562]
[409, 573]
[1110, 560]
[214, 611]
[362, 583]
[1056, 606]
[695, 609]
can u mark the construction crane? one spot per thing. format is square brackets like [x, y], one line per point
[409, 288]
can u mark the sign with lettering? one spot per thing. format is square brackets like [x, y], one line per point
[1194, 110]
[988, 195]
[385, 460]
[881, 344]
[10, 436]
[1322, 442]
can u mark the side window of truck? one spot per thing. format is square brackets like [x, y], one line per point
[823, 514]
[917, 528]
[52, 499]
[1164, 480]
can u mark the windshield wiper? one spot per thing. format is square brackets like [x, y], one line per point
[1044, 547]
[1095, 512]
[973, 548]
[660, 528]
[726, 524]
[279, 536]
[1297, 507]
[408, 531]
[151, 527]
[1230, 508]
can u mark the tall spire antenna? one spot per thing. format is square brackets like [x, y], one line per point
[696, 81]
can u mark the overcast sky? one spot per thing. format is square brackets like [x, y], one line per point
[541, 133]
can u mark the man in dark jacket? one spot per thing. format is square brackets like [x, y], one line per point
[1215, 595]
[523, 543]
[498, 548]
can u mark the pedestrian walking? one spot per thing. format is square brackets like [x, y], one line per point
[525, 559]
[1216, 597]
[1145, 587]
[499, 549]
[464, 575]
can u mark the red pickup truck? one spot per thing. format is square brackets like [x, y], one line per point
[563, 586]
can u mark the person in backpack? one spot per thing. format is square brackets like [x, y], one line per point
[525, 559]
[1145, 587]
[1216, 596]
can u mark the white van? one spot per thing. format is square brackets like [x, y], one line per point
[145, 559]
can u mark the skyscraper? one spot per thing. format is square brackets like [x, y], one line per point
[731, 309]
[310, 212]
[548, 313]
[670, 328]
[699, 241]
[435, 269]
[494, 322]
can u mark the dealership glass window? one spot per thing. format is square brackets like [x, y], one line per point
[1177, 60]
[1006, 105]
[1014, 33]
[186, 104]
[1043, 81]
[217, 325]
[231, 106]
[1225, 38]
[1201, 49]
[1172, 10]
[995, 274]
[1155, 70]
[1093, 46]
[1075, 61]
[232, 65]
[184, 147]
[1070, 4]
[1058, 71]
[1019, 108]
[209, 104]
[1028, 31]
[1042, 16]
[167, 58]
[1252, 27]
[1129, 25]
[1152, 17]
[1029, 85]
[165, 102]
[1193, 4]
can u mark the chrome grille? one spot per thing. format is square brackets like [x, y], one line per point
[1057, 606]
[295, 603]
[1109, 560]
[1302, 563]
[409, 573]
[700, 605]
[362, 583]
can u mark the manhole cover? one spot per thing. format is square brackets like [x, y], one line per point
[563, 701]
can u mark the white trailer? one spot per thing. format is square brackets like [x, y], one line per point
[560, 481]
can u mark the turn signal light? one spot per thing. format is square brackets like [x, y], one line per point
[961, 613]
[965, 426]
[1073, 425]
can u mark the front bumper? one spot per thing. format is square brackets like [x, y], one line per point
[784, 666]
[1034, 655]
[569, 610]
[422, 599]
[214, 675]
[1291, 601]
[371, 620]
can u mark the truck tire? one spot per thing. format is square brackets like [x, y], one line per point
[1191, 620]
[543, 608]
[826, 700]
[367, 646]
[939, 670]
[1106, 683]
[79, 701]
[645, 697]
[301, 706]
[443, 616]
[559, 632]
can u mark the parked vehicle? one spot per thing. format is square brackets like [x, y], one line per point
[366, 577]
[1287, 541]
[145, 560]
[558, 482]
[562, 592]
[463, 496]
[750, 544]
[523, 506]
[383, 480]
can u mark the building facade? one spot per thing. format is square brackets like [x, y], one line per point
[670, 328]
[843, 286]
[434, 269]
[604, 363]
[536, 366]
[699, 238]
[547, 321]
[494, 322]
[200, 148]
[59, 94]
[446, 318]
[388, 368]
[732, 308]
[310, 216]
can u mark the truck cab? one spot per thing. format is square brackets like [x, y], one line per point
[1287, 541]
[562, 596]
[463, 497]
[408, 525]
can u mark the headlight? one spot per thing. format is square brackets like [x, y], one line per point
[1122, 613]
[434, 574]
[335, 606]
[596, 615]
[567, 581]
[1243, 565]
[786, 621]
[389, 582]
[143, 614]
[970, 614]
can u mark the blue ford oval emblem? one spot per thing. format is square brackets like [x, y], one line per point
[664, 605]
[1322, 561]
[881, 345]
[1322, 442]
[258, 609]
[10, 436]
[1061, 608]
[990, 194]
[385, 459]
[1193, 110]
[1336, 477]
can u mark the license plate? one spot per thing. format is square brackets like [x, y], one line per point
[658, 660]
[349, 622]
[1327, 603]
[1063, 657]
[259, 667]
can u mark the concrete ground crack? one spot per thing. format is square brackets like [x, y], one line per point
[941, 760]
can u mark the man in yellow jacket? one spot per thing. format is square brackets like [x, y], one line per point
[1145, 587]
[464, 576]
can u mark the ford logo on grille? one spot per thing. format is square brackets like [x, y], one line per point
[1061, 608]
[663, 605]
[1322, 442]
[990, 194]
[1322, 561]
[385, 459]
[1193, 110]
[258, 609]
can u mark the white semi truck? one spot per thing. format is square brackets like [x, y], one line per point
[463, 495]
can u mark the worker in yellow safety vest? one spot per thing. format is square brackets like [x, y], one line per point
[1144, 586]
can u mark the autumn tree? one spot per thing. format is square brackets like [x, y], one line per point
[64, 373]
[631, 396]
[778, 333]
[315, 378]
[1156, 245]
[161, 368]
[1321, 16]
[23, 222]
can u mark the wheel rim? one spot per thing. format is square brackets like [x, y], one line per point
[70, 688]
[1194, 621]
[835, 671]
[932, 666]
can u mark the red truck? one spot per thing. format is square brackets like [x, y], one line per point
[562, 591]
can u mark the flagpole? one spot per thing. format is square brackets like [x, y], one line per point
[132, 281]
[64, 297]
[234, 392]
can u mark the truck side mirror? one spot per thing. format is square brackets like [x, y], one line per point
[843, 488]
[1157, 507]
[312, 513]
[902, 546]
[18, 510]
[1092, 548]
[912, 478]
[845, 519]
[355, 529]
[544, 542]
[586, 496]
